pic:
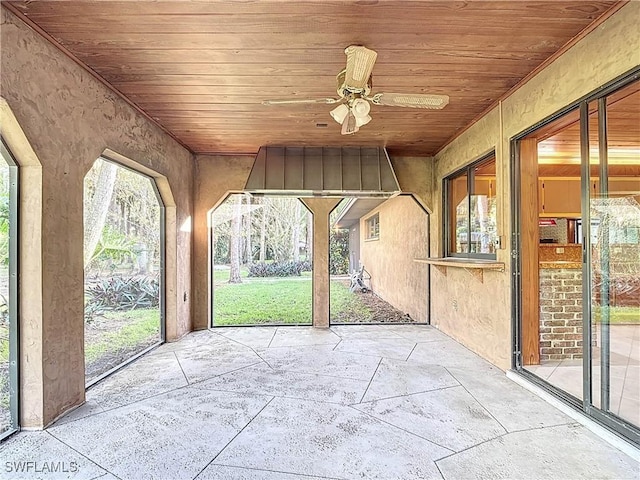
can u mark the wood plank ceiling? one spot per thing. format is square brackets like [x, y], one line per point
[202, 68]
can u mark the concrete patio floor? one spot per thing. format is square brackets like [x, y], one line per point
[388, 402]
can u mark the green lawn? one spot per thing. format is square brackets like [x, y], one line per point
[264, 300]
[277, 300]
[345, 305]
[221, 276]
[621, 315]
[138, 327]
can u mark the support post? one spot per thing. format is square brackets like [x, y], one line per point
[321, 208]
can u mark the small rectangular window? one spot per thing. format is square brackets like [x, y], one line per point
[373, 227]
[470, 218]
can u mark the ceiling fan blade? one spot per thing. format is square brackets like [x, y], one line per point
[410, 100]
[286, 101]
[349, 124]
[360, 61]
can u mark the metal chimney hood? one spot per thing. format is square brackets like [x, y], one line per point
[323, 171]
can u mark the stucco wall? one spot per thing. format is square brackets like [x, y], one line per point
[215, 177]
[395, 276]
[69, 119]
[606, 53]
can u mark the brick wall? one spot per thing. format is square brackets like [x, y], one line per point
[561, 314]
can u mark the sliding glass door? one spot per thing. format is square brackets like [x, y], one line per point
[614, 246]
[578, 260]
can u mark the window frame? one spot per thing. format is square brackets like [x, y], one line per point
[14, 324]
[368, 222]
[447, 210]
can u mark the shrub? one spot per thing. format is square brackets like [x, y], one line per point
[278, 269]
[121, 293]
[339, 252]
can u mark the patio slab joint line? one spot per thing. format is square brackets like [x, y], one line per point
[195, 384]
[478, 401]
[115, 407]
[404, 430]
[107, 472]
[234, 437]
[273, 336]
[250, 347]
[470, 447]
[409, 356]
[371, 380]
[542, 427]
[439, 471]
[181, 369]
[310, 475]
[406, 394]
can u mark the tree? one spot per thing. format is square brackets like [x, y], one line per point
[236, 223]
[248, 248]
[309, 237]
[263, 232]
[296, 228]
[97, 207]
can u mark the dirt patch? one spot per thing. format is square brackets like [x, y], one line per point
[95, 333]
[5, 413]
[380, 311]
[112, 359]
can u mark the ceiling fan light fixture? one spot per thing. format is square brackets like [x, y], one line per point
[360, 109]
[340, 113]
[360, 121]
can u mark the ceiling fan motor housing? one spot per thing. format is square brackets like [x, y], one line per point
[346, 91]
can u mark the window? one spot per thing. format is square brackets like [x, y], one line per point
[373, 227]
[470, 210]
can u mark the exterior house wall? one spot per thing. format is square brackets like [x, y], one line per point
[395, 275]
[459, 304]
[69, 119]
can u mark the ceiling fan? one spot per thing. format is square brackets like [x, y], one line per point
[354, 89]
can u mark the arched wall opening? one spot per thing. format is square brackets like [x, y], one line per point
[260, 261]
[9, 384]
[124, 257]
[25, 283]
[375, 248]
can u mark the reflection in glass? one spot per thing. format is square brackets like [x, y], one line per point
[615, 255]
[484, 231]
[459, 221]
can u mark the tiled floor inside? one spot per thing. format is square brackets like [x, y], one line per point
[624, 362]
[387, 402]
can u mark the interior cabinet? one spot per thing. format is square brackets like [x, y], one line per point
[559, 197]
[624, 187]
[485, 186]
[618, 187]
